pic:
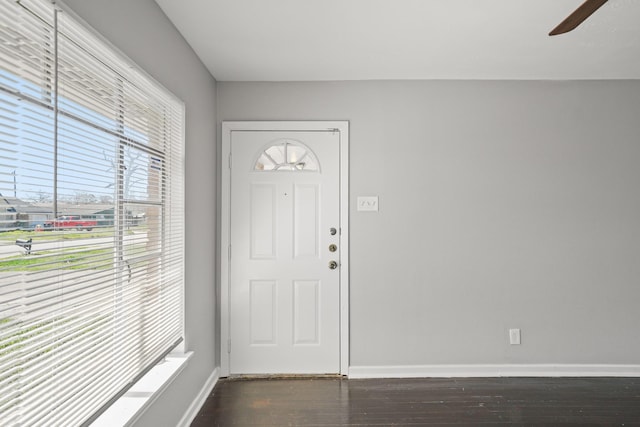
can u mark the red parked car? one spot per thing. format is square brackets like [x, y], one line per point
[71, 221]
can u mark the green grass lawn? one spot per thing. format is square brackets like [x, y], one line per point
[50, 235]
[11, 344]
[65, 260]
[11, 236]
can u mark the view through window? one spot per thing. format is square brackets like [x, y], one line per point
[91, 219]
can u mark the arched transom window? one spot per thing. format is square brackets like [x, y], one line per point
[287, 155]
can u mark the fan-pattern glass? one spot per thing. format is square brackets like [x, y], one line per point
[287, 156]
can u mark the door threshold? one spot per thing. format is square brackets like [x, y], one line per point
[247, 377]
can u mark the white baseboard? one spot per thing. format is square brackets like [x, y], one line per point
[461, 371]
[196, 405]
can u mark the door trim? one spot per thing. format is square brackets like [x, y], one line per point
[225, 236]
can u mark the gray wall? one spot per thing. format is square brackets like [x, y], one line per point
[142, 32]
[502, 205]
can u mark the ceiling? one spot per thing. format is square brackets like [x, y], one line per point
[305, 40]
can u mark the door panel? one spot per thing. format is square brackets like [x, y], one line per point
[306, 322]
[263, 221]
[306, 217]
[263, 301]
[284, 299]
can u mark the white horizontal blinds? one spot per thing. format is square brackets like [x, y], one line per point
[100, 298]
[27, 50]
[26, 63]
[26, 168]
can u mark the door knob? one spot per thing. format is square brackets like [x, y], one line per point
[333, 265]
[332, 248]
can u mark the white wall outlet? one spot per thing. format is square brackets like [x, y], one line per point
[514, 336]
[368, 203]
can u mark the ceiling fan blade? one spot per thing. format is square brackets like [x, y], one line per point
[577, 17]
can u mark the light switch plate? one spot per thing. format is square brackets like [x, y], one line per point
[368, 203]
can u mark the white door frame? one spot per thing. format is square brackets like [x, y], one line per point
[225, 239]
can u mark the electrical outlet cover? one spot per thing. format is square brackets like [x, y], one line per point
[514, 336]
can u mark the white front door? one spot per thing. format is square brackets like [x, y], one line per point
[284, 273]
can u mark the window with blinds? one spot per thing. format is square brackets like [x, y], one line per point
[91, 219]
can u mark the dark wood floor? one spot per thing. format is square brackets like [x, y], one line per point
[423, 402]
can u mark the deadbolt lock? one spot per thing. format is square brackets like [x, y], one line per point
[333, 231]
[333, 265]
[332, 248]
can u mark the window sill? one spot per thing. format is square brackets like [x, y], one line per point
[126, 410]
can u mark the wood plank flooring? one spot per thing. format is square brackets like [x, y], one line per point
[423, 402]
